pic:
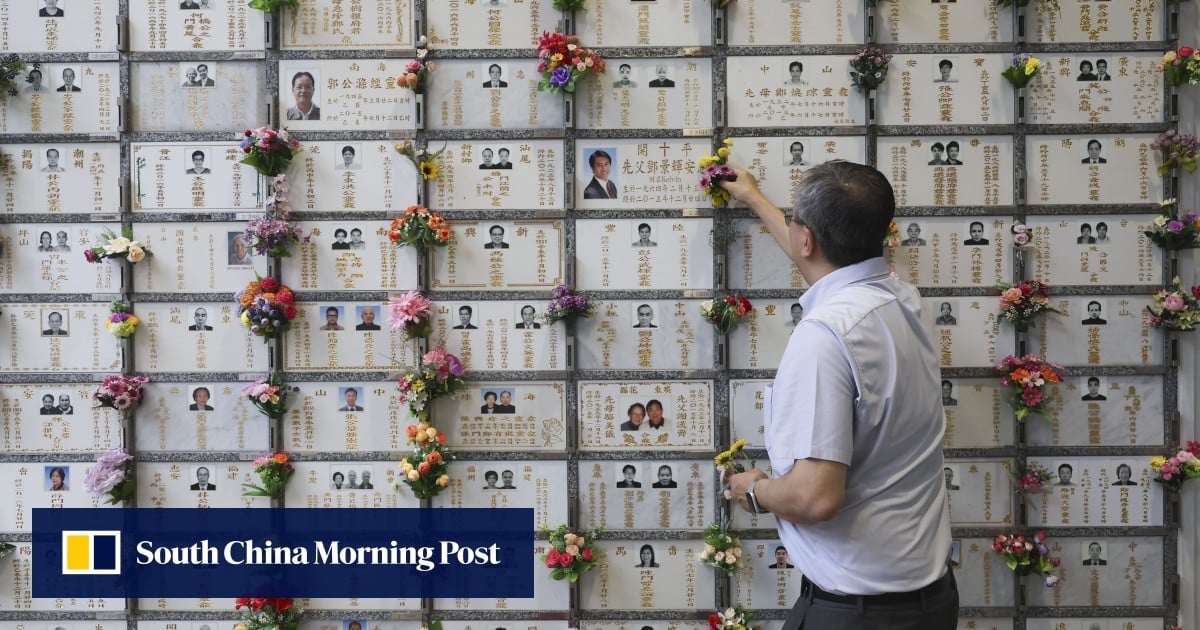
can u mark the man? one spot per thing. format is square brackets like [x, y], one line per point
[1085, 71]
[239, 250]
[68, 77]
[527, 315]
[48, 408]
[497, 234]
[62, 242]
[914, 236]
[626, 71]
[796, 74]
[1085, 235]
[797, 312]
[1102, 233]
[203, 80]
[662, 81]
[1124, 472]
[202, 480]
[198, 164]
[351, 400]
[645, 317]
[54, 322]
[347, 162]
[356, 239]
[654, 414]
[1064, 475]
[629, 472]
[947, 317]
[506, 405]
[189, 5]
[855, 425]
[331, 319]
[339, 239]
[1093, 151]
[200, 397]
[976, 230]
[1102, 70]
[51, 9]
[1094, 553]
[948, 474]
[34, 79]
[936, 151]
[464, 318]
[600, 187]
[503, 154]
[200, 320]
[644, 236]
[64, 405]
[494, 77]
[664, 478]
[952, 150]
[303, 88]
[781, 559]
[366, 481]
[945, 67]
[351, 480]
[506, 480]
[52, 162]
[637, 415]
[797, 151]
[486, 164]
[1093, 318]
[368, 319]
[1093, 385]
[948, 399]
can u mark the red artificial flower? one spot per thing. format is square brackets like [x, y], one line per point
[729, 299]
[1026, 289]
[565, 559]
[423, 468]
[289, 312]
[282, 603]
[552, 559]
[256, 603]
[1196, 292]
[714, 621]
[285, 295]
[269, 284]
[242, 601]
[441, 438]
[588, 555]
[1186, 51]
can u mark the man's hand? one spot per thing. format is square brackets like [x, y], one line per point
[738, 484]
[744, 188]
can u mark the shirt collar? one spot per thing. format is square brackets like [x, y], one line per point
[839, 278]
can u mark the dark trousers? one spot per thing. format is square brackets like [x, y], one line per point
[934, 607]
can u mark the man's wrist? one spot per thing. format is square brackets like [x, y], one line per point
[752, 499]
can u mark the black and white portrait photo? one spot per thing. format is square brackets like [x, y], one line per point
[54, 323]
[643, 316]
[944, 73]
[495, 238]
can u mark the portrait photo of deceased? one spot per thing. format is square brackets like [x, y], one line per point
[632, 494]
[642, 315]
[198, 163]
[351, 476]
[56, 322]
[495, 236]
[326, 337]
[478, 187]
[67, 78]
[465, 88]
[303, 97]
[202, 479]
[944, 69]
[367, 318]
[238, 251]
[56, 239]
[497, 399]
[159, 101]
[527, 318]
[349, 157]
[201, 399]
[198, 74]
[57, 478]
[652, 414]
[596, 176]
[52, 160]
[1111, 90]
[1087, 423]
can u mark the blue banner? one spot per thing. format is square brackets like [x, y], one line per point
[216, 552]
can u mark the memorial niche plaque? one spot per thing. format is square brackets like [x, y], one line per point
[499, 174]
[1098, 491]
[938, 22]
[967, 330]
[164, 97]
[625, 577]
[17, 594]
[1107, 21]
[358, 24]
[1123, 623]
[983, 578]
[1096, 410]
[625, 98]
[772, 23]
[192, 257]
[498, 336]
[634, 174]
[169, 176]
[977, 413]
[949, 170]
[947, 89]
[1095, 250]
[610, 23]
[490, 24]
[673, 415]
[653, 624]
[1098, 87]
[194, 25]
[48, 258]
[55, 417]
[646, 335]
[508, 484]
[655, 494]
[72, 97]
[501, 255]
[340, 484]
[496, 624]
[61, 178]
[1085, 169]
[199, 416]
[195, 337]
[979, 492]
[1099, 330]
[59, 337]
[344, 94]
[1131, 573]
[768, 580]
[75, 26]
[351, 176]
[491, 94]
[636, 254]
[507, 416]
[346, 416]
[794, 91]
[946, 251]
[350, 255]
[340, 335]
[759, 341]
[779, 164]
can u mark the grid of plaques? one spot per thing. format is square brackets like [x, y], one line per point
[596, 190]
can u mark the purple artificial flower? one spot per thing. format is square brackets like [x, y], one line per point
[456, 366]
[91, 256]
[1174, 225]
[560, 77]
[1051, 581]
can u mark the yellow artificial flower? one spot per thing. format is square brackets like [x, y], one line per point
[707, 161]
[723, 152]
[1032, 65]
[728, 142]
[429, 170]
[1157, 461]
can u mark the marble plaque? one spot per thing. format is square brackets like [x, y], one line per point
[1097, 88]
[475, 177]
[1100, 21]
[656, 494]
[747, 400]
[949, 170]
[769, 92]
[494, 336]
[1130, 576]
[640, 173]
[768, 579]
[195, 25]
[779, 163]
[325, 175]
[940, 22]
[62, 337]
[344, 95]
[1096, 168]
[548, 594]
[461, 96]
[979, 492]
[16, 574]
[609, 23]
[978, 414]
[194, 176]
[767, 23]
[609, 412]
[345, 416]
[48, 257]
[759, 341]
[196, 337]
[74, 26]
[192, 257]
[70, 97]
[336, 335]
[341, 484]
[55, 418]
[949, 252]
[967, 330]
[536, 421]
[652, 575]
[350, 255]
[509, 484]
[197, 485]
[163, 98]
[490, 24]
[501, 255]
[950, 89]
[61, 178]
[1124, 623]
[33, 486]
[1099, 330]
[756, 261]
[1097, 491]
[1109, 249]
[646, 335]
[1093, 410]
[644, 254]
[331, 24]
[199, 416]
[625, 99]
[634, 624]
[983, 578]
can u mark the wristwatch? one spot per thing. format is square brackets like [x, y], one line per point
[752, 500]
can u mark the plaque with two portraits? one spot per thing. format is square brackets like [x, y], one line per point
[655, 494]
[340, 335]
[1092, 169]
[45, 26]
[60, 337]
[506, 416]
[490, 24]
[347, 484]
[661, 415]
[193, 25]
[1097, 491]
[639, 174]
[69, 97]
[196, 95]
[331, 24]
[499, 174]
[195, 337]
[199, 416]
[955, 251]
[191, 257]
[1099, 410]
[61, 178]
[501, 255]
[350, 255]
[55, 418]
[797, 91]
[949, 170]
[509, 484]
[778, 164]
[1094, 250]
[1099, 330]
[490, 94]
[649, 575]
[649, 94]
[950, 89]
[48, 257]
[940, 21]
[494, 335]
[650, 334]
[344, 94]
[1099, 87]
[637, 254]
[609, 23]
[776, 23]
[1097, 21]
[768, 580]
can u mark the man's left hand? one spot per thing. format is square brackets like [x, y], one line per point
[738, 484]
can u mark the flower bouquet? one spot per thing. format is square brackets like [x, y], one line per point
[727, 312]
[274, 471]
[411, 312]
[1022, 235]
[1180, 66]
[714, 171]
[425, 470]
[1027, 556]
[568, 305]
[113, 246]
[1176, 310]
[425, 161]
[868, 68]
[440, 375]
[892, 238]
[727, 463]
[267, 613]
[269, 394]
[120, 391]
[268, 307]
[736, 618]
[1022, 70]
[1171, 231]
[268, 151]
[112, 475]
[1034, 479]
[564, 62]
[413, 77]
[570, 554]
[11, 67]
[1021, 303]
[722, 550]
[1172, 471]
[1026, 377]
[420, 229]
[274, 234]
[1178, 150]
[121, 321]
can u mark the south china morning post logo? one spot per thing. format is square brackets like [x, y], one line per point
[91, 552]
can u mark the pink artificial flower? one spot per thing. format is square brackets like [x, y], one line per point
[409, 308]
[1174, 303]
